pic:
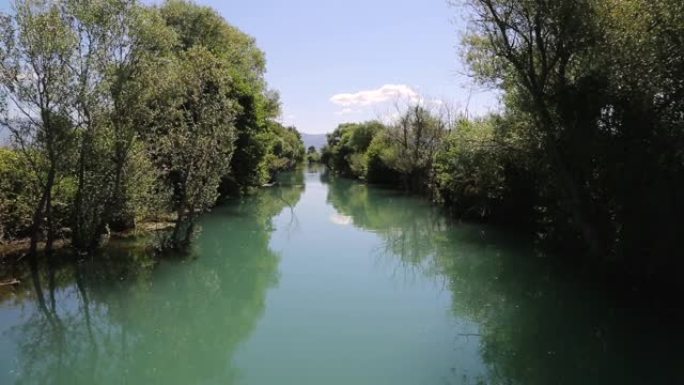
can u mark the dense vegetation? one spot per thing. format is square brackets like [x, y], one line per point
[587, 148]
[312, 155]
[119, 112]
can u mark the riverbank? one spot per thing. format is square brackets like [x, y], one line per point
[15, 250]
[609, 275]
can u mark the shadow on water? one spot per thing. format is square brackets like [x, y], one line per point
[536, 325]
[126, 315]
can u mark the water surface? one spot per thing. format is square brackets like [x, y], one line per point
[326, 281]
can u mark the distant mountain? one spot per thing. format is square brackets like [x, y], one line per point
[316, 140]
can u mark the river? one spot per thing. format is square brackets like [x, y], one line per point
[322, 280]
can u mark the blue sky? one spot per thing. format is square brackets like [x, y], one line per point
[339, 61]
[318, 49]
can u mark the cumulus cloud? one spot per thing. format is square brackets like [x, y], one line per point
[385, 93]
[346, 111]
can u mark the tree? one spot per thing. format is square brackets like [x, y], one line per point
[598, 86]
[413, 142]
[256, 105]
[196, 142]
[641, 128]
[312, 155]
[18, 194]
[103, 96]
[345, 150]
[539, 50]
[35, 48]
[114, 71]
[284, 149]
[485, 171]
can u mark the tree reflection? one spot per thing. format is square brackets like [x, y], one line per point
[128, 316]
[407, 225]
[535, 326]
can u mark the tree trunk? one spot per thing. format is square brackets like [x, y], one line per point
[36, 225]
[49, 214]
[43, 206]
[77, 237]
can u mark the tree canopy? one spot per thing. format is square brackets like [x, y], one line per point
[124, 112]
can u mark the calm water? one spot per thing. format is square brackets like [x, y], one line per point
[325, 281]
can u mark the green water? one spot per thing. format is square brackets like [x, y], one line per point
[326, 281]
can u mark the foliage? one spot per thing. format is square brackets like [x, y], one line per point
[17, 194]
[484, 171]
[346, 145]
[115, 67]
[256, 107]
[197, 143]
[378, 156]
[413, 141]
[312, 155]
[285, 150]
[400, 154]
[138, 109]
[599, 84]
[35, 86]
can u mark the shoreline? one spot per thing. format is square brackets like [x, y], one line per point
[19, 247]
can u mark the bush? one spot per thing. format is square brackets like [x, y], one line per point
[19, 193]
[377, 169]
[480, 170]
[16, 195]
[345, 151]
[285, 151]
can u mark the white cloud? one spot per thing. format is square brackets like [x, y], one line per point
[342, 220]
[346, 111]
[369, 97]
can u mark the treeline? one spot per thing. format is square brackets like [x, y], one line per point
[119, 112]
[587, 150]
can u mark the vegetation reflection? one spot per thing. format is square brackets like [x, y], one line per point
[107, 318]
[535, 326]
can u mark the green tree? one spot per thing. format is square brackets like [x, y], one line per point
[312, 155]
[106, 71]
[597, 87]
[17, 195]
[485, 171]
[35, 48]
[195, 143]
[104, 96]
[345, 150]
[540, 52]
[285, 149]
[115, 70]
[256, 105]
[413, 142]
